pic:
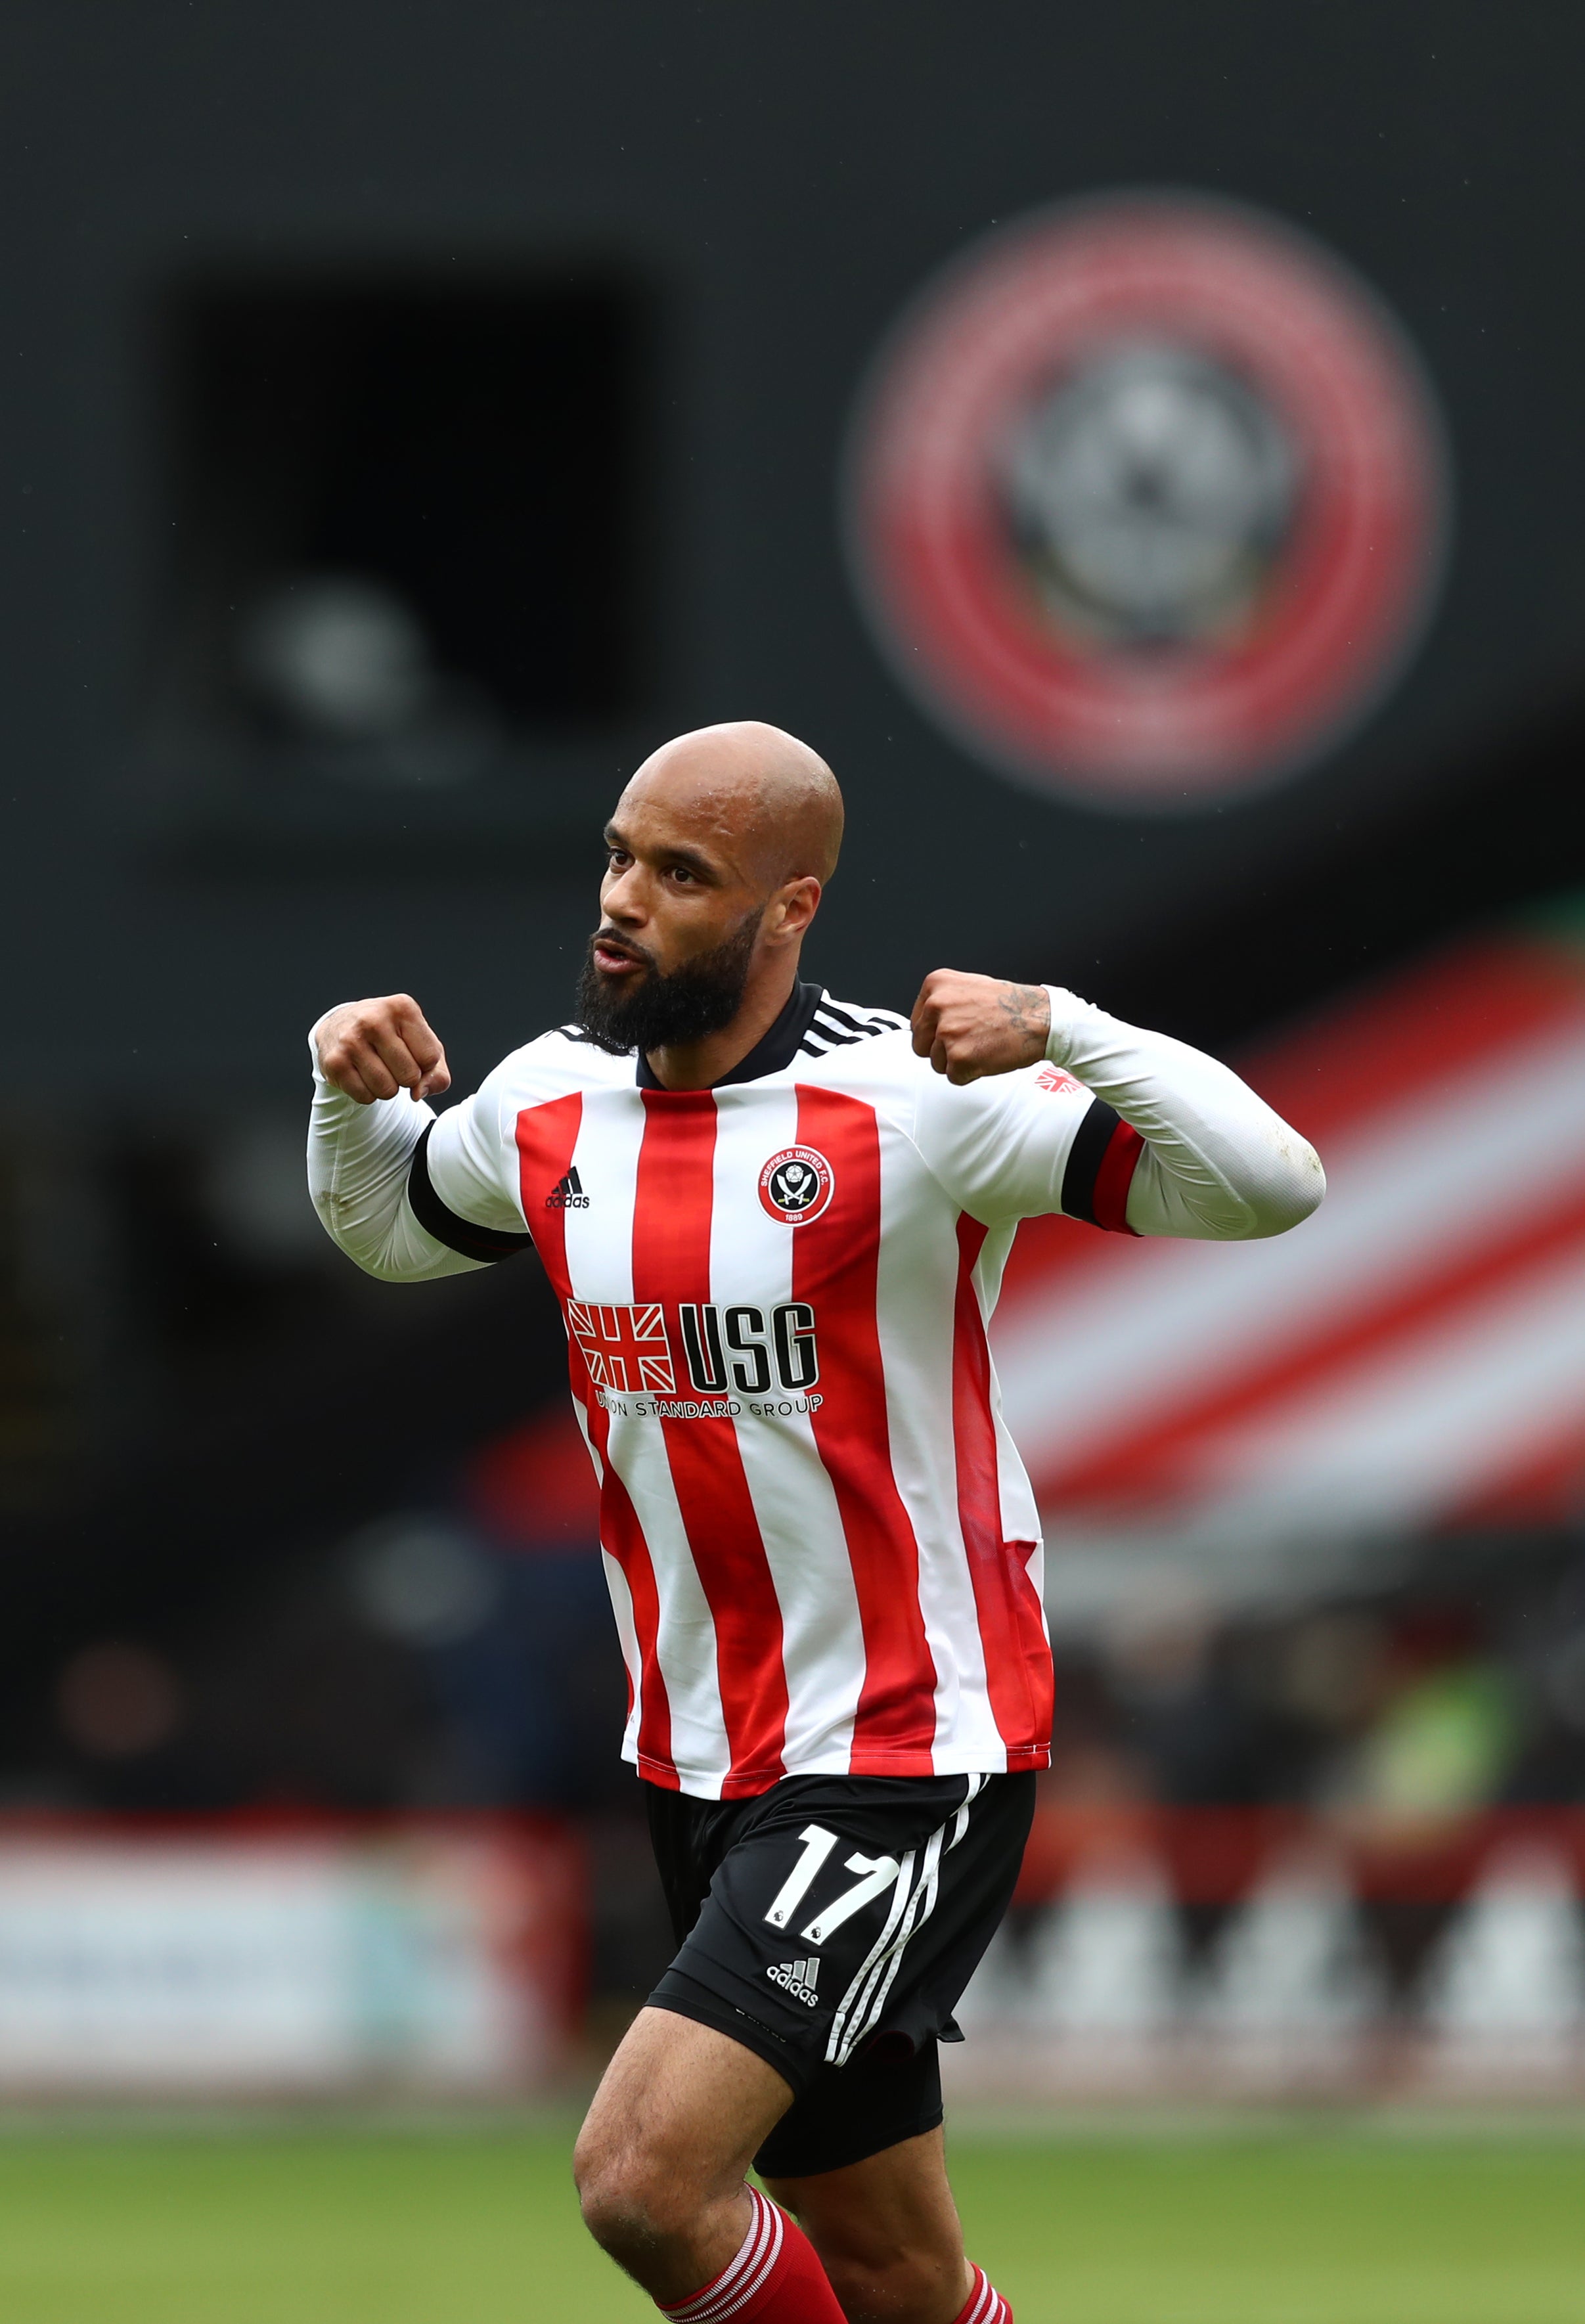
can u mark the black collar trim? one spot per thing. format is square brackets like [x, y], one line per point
[772, 1053]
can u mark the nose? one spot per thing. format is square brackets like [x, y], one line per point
[622, 898]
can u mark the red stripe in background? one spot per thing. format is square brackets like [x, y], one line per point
[1110, 1200]
[835, 1268]
[1543, 1488]
[1397, 1037]
[1012, 1634]
[1391, 1042]
[1149, 1460]
[671, 1263]
[547, 1136]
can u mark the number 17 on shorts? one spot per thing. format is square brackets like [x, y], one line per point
[875, 1873]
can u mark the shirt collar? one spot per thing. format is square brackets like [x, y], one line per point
[772, 1053]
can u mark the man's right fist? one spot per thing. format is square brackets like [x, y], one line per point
[372, 1049]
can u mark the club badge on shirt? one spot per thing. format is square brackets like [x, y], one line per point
[796, 1184]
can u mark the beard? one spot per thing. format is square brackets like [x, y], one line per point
[660, 1011]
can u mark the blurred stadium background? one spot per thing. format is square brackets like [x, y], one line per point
[1141, 449]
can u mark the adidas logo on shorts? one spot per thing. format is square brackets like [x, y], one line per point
[798, 1978]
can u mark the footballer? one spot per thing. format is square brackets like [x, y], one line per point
[776, 1223]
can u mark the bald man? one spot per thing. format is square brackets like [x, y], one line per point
[776, 1223]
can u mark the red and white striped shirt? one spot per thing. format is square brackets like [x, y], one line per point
[822, 1551]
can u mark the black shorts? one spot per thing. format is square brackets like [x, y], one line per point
[830, 1924]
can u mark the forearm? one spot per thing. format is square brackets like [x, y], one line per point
[1218, 1163]
[359, 1157]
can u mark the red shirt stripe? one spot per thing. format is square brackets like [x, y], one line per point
[546, 1137]
[835, 1267]
[1012, 1633]
[671, 1263]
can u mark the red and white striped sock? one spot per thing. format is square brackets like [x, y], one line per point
[775, 2279]
[986, 2304]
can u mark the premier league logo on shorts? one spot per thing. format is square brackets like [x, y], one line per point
[795, 1185]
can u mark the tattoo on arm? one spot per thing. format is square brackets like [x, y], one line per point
[1023, 1007]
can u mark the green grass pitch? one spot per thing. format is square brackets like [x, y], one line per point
[477, 2226]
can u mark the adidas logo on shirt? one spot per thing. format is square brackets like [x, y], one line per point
[798, 1978]
[567, 1194]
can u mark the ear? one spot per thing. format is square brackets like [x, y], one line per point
[792, 909]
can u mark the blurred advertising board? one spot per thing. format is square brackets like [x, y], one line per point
[1276, 1954]
[212, 1959]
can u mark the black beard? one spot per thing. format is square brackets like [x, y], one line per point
[658, 1011]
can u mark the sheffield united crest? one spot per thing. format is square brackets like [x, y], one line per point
[796, 1184]
[1145, 499]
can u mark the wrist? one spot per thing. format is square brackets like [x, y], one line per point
[317, 1032]
[1065, 1010]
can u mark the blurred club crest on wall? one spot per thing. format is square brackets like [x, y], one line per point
[1146, 498]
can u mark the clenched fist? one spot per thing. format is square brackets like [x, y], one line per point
[971, 1026]
[372, 1049]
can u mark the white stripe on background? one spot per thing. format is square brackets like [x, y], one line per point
[1417, 1429]
[1412, 1195]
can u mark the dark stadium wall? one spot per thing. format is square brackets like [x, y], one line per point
[765, 189]
[277, 275]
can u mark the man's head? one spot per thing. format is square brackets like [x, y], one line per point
[719, 846]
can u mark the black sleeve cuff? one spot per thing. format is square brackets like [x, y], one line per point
[460, 1235]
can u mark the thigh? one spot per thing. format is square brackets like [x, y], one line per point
[680, 2097]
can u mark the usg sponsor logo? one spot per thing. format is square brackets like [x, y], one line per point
[1146, 498]
[730, 1352]
[799, 1978]
[749, 1349]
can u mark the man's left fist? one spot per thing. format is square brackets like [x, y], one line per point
[971, 1026]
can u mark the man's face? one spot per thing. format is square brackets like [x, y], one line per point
[680, 918]
[679, 879]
